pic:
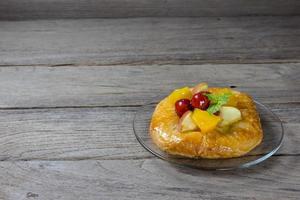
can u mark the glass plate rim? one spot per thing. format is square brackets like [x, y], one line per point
[245, 165]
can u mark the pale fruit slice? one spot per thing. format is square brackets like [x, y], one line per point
[182, 93]
[205, 121]
[199, 88]
[186, 122]
[229, 115]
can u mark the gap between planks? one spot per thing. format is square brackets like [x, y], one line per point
[70, 107]
[160, 63]
[150, 157]
[107, 106]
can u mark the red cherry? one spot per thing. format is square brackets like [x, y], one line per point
[181, 106]
[200, 101]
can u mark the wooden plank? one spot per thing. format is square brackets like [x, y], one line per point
[90, 133]
[150, 41]
[57, 9]
[68, 134]
[147, 179]
[26, 86]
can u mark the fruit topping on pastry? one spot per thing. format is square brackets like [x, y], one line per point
[200, 100]
[186, 123]
[229, 115]
[182, 93]
[218, 100]
[201, 110]
[182, 106]
[205, 121]
[199, 88]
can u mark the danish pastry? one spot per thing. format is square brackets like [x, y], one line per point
[204, 122]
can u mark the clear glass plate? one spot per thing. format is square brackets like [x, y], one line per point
[272, 140]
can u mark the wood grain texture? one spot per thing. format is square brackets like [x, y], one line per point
[85, 112]
[147, 179]
[150, 41]
[66, 132]
[58, 9]
[90, 133]
[69, 134]
[25, 86]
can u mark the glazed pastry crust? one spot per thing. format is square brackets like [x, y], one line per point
[233, 141]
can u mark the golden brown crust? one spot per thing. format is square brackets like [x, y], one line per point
[237, 140]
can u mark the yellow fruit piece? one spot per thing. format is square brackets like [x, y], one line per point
[182, 93]
[205, 121]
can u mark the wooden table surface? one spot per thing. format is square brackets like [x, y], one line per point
[69, 89]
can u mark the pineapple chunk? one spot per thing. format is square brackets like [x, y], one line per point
[182, 93]
[229, 115]
[186, 123]
[205, 121]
